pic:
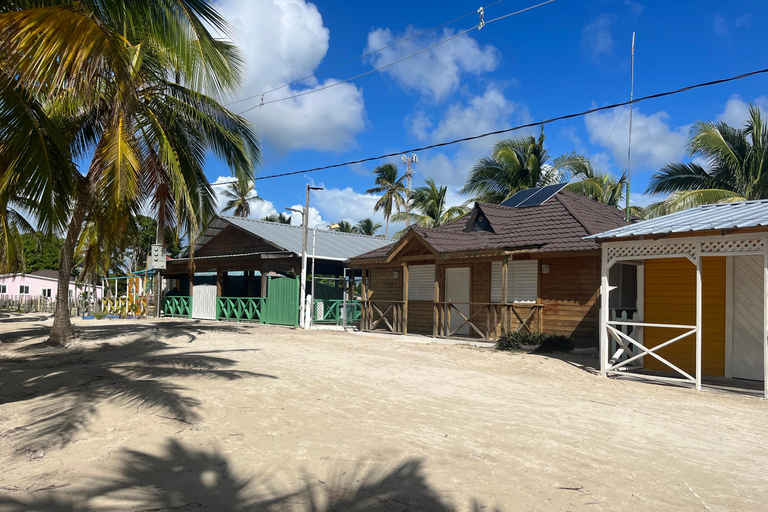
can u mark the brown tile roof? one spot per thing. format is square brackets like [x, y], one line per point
[560, 224]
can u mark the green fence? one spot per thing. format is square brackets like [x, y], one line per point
[330, 311]
[177, 306]
[241, 309]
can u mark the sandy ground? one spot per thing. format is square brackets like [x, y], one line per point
[189, 415]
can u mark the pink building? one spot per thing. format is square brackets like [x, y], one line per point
[39, 283]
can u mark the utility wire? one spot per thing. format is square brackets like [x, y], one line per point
[427, 31]
[312, 91]
[519, 127]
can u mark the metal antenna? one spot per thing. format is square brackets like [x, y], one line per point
[629, 147]
[409, 161]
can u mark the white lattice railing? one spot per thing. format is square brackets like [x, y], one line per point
[688, 248]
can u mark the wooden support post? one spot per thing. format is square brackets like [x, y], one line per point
[191, 283]
[219, 283]
[604, 312]
[436, 311]
[699, 316]
[264, 280]
[406, 273]
[765, 318]
[363, 303]
[504, 290]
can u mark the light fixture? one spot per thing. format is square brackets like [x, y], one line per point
[545, 268]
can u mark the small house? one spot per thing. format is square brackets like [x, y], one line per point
[523, 264]
[40, 284]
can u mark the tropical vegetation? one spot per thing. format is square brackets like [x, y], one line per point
[367, 227]
[429, 207]
[240, 194]
[280, 218]
[393, 190]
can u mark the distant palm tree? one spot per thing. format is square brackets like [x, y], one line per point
[240, 195]
[737, 167]
[344, 227]
[429, 202]
[515, 164]
[367, 227]
[393, 190]
[280, 218]
[602, 187]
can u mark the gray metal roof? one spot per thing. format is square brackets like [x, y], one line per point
[743, 214]
[329, 245]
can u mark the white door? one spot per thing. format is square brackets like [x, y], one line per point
[747, 314]
[204, 301]
[457, 288]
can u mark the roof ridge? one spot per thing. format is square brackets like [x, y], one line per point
[262, 221]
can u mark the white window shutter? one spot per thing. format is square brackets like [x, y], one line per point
[526, 281]
[421, 282]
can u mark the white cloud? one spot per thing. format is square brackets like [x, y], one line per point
[436, 72]
[654, 142]
[643, 200]
[347, 204]
[315, 219]
[596, 36]
[259, 209]
[737, 110]
[635, 7]
[285, 40]
[722, 26]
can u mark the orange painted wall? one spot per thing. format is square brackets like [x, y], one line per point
[670, 298]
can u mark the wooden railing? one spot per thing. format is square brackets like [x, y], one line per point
[486, 320]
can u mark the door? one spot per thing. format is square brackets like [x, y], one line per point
[457, 288]
[204, 301]
[747, 315]
[283, 301]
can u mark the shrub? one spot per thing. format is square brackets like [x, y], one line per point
[539, 342]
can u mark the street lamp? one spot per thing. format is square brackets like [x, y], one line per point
[303, 283]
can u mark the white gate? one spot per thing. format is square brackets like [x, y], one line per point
[747, 315]
[204, 302]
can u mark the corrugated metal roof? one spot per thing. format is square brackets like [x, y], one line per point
[743, 214]
[332, 245]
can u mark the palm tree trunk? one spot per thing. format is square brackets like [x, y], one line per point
[62, 331]
[386, 230]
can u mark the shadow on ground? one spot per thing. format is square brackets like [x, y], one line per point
[189, 479]
[138, 370]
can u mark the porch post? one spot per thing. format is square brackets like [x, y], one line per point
[504, 279]
[363, 299]
[604, 314]
[765, 319]
[219, 282]
[436, 312]
[263, 281]
[698, 316]
[191, 283]
[406, 273]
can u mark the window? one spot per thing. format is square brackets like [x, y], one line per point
[71, 293]
[46, 292]
[3, 289]
[622, 282]
[522, 281]
[24, 289]
[421, 282]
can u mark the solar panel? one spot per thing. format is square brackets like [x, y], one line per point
[541, 195]
[518, 198]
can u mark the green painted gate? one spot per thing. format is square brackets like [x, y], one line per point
[282, 301]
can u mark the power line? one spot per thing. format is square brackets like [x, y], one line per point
[362, 56]
[312, 91]
[519, 127]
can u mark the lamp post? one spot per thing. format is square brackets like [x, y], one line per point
[305, 231]
[409, 161]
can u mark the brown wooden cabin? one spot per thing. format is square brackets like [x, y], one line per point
[523, 264]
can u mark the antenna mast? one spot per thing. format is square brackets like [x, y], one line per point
[409, 161]
[629, 146]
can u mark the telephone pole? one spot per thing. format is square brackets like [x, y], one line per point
[409, 161]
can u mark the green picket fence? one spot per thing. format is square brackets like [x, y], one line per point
[251, 309]
[177, 306]
[330, 311]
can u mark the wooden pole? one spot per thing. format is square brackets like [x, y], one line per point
[363, 299]
[191, 283]
[504, 287]
[699, 317]
[406, 273]
[219, 282]
[604, 312]
[436, 311]
[264, 280]
[765, 319]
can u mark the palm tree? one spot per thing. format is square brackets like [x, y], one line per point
[515, 164]
[737, 168]
[393, 190]
[280, 218]
[240, 194]
[108, 91]
[429, 202]
[602, 187]
[367, 227]
[344, 227]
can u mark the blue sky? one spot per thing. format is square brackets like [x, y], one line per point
[556, 59]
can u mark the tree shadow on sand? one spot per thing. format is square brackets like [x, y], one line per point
[187, 479]
[138, 372]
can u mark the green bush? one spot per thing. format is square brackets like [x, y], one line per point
[541, 342]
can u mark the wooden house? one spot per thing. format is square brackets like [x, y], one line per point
[702, 275]
[524, 264]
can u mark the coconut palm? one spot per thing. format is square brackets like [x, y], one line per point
[124, 81]
[240, 195]
[367, 227]
[393, 190]
[602, 187]
[344, 227]
[430, 206]
[515, 164]
[280, 218]
[736, 167]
